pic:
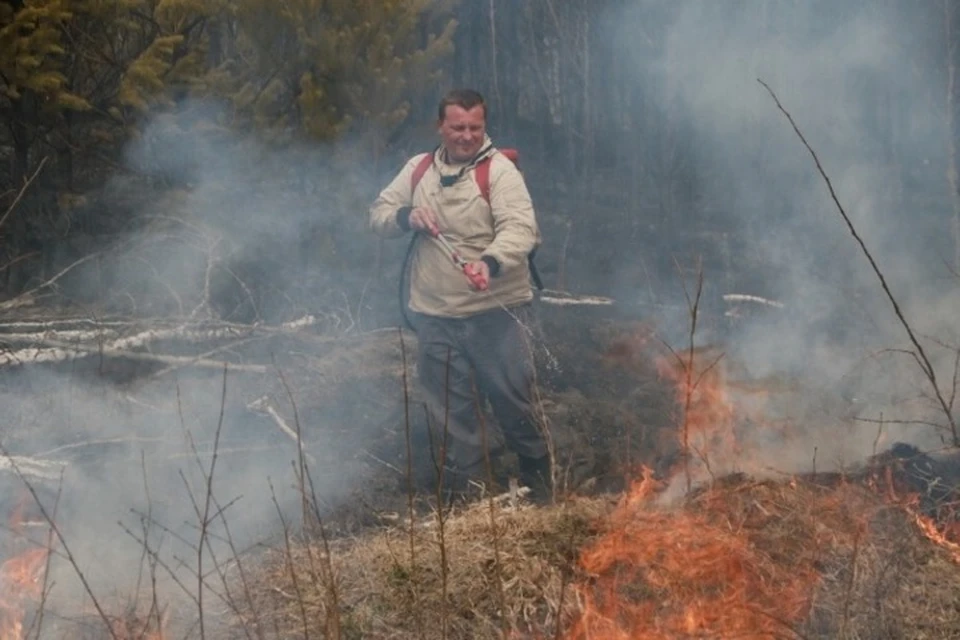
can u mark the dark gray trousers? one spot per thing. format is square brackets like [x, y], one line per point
[486, 356]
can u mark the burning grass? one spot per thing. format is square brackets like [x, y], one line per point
[741, 558]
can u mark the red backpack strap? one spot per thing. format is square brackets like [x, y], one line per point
[482, 174]
[419, 170]
[483, 171]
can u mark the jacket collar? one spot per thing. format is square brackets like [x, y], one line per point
[486, 149]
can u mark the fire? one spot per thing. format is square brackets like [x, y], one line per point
[738, 561]
[929, 528]
[21, 582]
[703, 398]
[727, 563]
[736, 558]
[944, 533]
[22, 578]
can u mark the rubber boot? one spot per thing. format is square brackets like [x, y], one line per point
[535, 474]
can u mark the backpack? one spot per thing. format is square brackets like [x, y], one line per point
[482, 175]
[481, 171]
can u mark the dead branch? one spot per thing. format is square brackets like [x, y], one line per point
[32, 467]
[746, 297]
[262, 405]
[27, 298]
[19, 258]
[96, 327]
[561, 298]
[34, 355]
[22, 192]
[53, 345]
[921, 355]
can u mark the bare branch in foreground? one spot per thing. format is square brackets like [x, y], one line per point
[925, 365]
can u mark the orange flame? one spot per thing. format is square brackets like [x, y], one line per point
[930, 529]
[706, 419]
[943, 531]
[21, 581]
[713, 568]
[672, 573]
[661, 574]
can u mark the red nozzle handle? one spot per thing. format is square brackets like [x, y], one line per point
[476, 278]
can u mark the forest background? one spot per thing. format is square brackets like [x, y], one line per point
[224, 153]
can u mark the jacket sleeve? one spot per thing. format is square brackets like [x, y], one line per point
[516, 232]
[390, 211]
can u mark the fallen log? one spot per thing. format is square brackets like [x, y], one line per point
[30, 468]
[71, 332]
[52, 345]
[52, 354]
[562, 298]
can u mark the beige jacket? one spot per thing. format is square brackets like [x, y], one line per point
[505, 230]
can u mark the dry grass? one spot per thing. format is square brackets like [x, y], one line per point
[739, 559]
[384, 595]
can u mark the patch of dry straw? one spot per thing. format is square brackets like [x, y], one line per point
[738, 559]
[527, 556]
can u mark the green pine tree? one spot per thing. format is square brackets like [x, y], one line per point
[32, 81]
[321, 68]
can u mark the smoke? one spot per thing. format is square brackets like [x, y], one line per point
[855, 79]
[234, 229]
[264, 233]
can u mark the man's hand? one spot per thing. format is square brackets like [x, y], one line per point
[423, 219]
[479, 274]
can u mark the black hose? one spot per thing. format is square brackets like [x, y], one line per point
[404, 288]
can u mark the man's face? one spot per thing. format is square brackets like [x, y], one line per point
[462, 131]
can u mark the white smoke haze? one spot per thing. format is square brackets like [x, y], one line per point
[825, 67]
[294, 222]
[134, 453]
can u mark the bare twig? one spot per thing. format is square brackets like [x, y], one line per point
[925, 365]
[418, 618]
[876, 441]
[441, 515]
[263, 404]
[852, 580]
[298, 439]
[693, 305]
[37, 623]
[494, 532]
[333, 627]
[22, 192]
[20, 258]
[301, 603]
[208, 500]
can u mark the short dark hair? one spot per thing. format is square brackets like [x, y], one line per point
[466, 98]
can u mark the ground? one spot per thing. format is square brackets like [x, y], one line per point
[867, 553]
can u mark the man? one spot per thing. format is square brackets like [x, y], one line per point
[470, 323]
